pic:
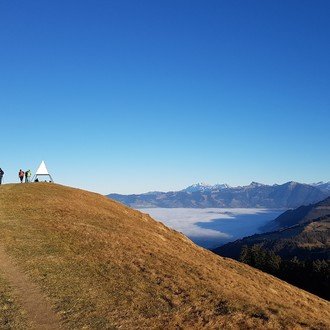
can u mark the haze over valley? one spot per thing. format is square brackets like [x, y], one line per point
[212, 227]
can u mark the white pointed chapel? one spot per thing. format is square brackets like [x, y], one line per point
[42, 173]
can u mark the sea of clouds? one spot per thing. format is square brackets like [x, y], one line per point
[213, 227]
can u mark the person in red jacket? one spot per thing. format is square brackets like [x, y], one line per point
[21, 175]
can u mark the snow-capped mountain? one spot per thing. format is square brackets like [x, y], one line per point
[198, 187]
[220, 186]
[201, 187]
[255, 185]
[287, 195]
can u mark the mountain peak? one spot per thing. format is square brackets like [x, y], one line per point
[319, 183]
[256, 184]
[200, 186]
[206, 187]
[293, 184]
[220, 186]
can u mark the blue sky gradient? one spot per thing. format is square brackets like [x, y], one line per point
[131, 96]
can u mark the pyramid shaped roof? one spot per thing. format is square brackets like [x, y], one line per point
[42, 169]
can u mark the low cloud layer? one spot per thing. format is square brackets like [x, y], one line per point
[209, 227]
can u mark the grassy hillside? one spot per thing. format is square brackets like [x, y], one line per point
[106, 266]
[304, 233]
[301, 215]
[307, 241]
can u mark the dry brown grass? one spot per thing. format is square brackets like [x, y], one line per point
[12, 316]
[105, 266]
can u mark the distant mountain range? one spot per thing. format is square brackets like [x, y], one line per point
[303, 232]
[255, 195]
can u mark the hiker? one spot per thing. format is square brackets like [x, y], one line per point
[27, 176]
[1, 174]
[21, 175]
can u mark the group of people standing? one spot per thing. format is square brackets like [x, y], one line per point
[27, 175]
[21, 174]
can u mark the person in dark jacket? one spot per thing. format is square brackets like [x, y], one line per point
[21, 175]
[1, 175]
[27, 176]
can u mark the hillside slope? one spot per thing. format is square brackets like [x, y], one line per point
[307, 241]
[301, 215]
[304, 233]
[103, 265]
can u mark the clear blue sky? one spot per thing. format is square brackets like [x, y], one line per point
[131, 96]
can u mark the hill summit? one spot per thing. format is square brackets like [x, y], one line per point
[104, 265]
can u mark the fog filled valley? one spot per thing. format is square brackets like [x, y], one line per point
[213, 227]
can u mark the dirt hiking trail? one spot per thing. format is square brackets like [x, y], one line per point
[38, 310]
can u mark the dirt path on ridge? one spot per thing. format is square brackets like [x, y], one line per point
[38, 310]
